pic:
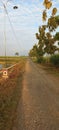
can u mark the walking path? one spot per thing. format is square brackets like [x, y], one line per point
[39, 103]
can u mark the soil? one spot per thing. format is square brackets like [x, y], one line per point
[38, 107]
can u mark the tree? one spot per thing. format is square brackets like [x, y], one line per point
[46, 40]
[17, 54]
[52, 24]
[33, 52]
[41, 37]
[44, 15]
[54, 11]
[50, 48]
[47, 4]
[57, 36]
[57, 19]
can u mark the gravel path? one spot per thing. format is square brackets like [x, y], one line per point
[39, 103]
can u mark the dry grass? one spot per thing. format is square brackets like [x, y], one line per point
[51, 69]
[10, 92]
[9, 60]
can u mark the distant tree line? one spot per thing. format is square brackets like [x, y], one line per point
[45, 36]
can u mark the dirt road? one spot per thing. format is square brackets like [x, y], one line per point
[39, 103]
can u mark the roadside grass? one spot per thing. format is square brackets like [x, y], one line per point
[51, 64]
[47, 64]
[50, 69]
[10, 94]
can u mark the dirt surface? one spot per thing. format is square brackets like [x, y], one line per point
[38, 107]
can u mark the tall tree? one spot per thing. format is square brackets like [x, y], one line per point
[52, 24]
[50, 47]
[41, 37]
[46, 40]
[33, 52]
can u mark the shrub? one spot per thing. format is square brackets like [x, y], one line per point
[40, 59]
[55, 60]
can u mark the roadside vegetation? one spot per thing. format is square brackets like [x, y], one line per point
[10, 94]
[46, 51]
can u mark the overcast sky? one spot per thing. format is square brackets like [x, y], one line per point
[21, 25]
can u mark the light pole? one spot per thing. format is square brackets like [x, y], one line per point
[5, 33]
[6, 13]
[5, 72]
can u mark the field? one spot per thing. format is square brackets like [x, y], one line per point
[9, 60]
[10, 92]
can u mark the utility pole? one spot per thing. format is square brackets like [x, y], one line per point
[6, 14]
[5, 72]
[5, 34]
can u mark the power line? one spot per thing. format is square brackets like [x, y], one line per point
[13, 31]
[6, 12]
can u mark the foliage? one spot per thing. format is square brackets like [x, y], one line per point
[55, 60]
[44, 16]
[40, 59]
[47, 4]
[50, 48]
[52, 25]
[46, 40]
[57, 36]
[57, 19]
[34, 51]
[17, 54]
[54, 11]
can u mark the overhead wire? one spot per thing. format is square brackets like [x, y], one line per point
[30, 12]
[11, 27]
[14, 31]
[5, 32]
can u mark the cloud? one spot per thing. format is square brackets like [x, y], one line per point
[25, 22]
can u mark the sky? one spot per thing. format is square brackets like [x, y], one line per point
[18, 28]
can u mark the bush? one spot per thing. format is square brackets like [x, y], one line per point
[40, 59]
[55, 60]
